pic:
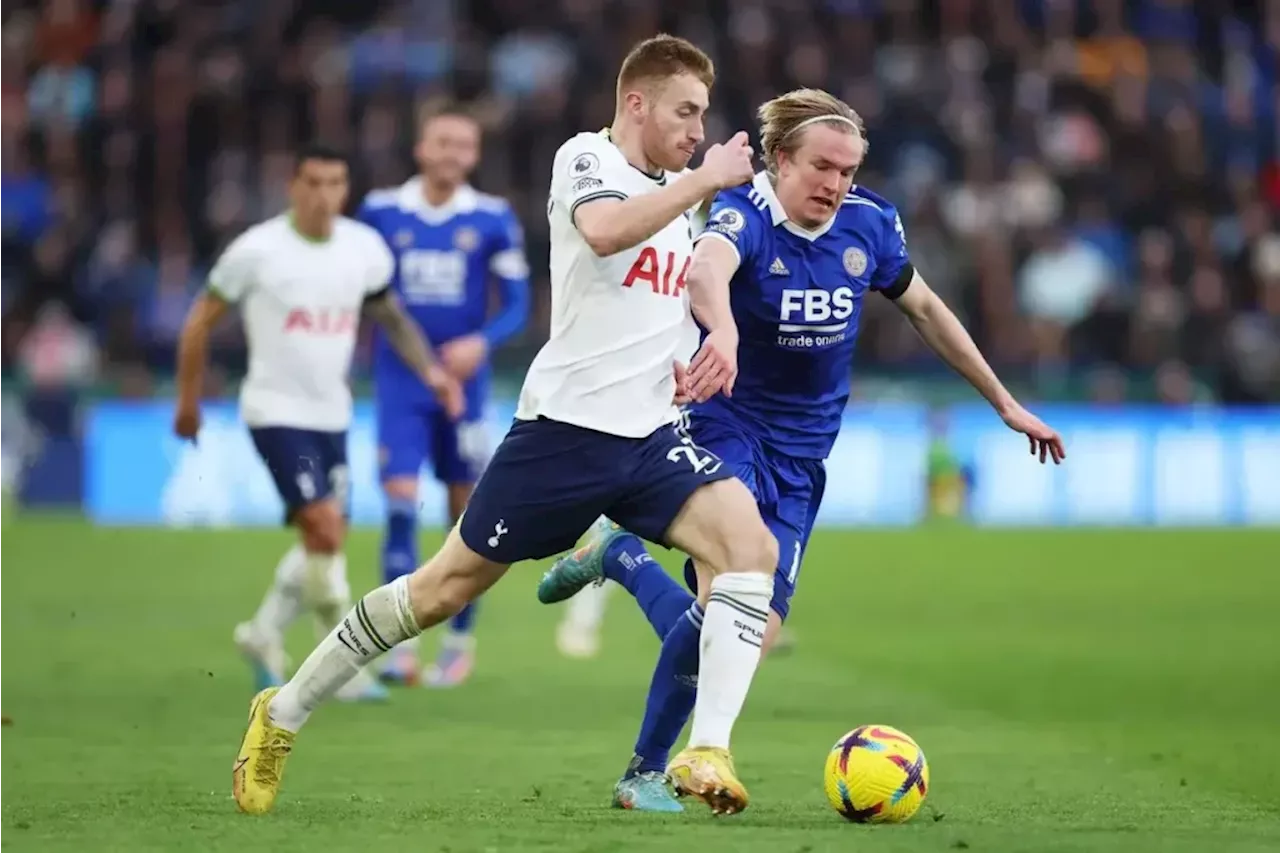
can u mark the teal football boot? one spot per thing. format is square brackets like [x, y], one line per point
[584, 566]
[645, 792]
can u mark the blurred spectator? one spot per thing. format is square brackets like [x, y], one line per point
[1092, 184]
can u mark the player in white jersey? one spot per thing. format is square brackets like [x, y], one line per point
[596, 431]
[302, 280]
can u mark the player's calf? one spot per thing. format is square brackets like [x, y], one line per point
[323, 531]
[720, 527]
[381, 620]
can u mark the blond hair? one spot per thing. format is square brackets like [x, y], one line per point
[782, 119]
[664, 56]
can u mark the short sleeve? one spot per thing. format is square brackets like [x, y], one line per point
[586, 169]
[234, 272]
[508, 259]
[893, 264]
[735, 221]
[382, 265]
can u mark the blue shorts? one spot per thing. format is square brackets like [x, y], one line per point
[413, 429]
[549, 481]
[788, 490]
[307, 465]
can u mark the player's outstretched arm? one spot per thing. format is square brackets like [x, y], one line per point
[715, 366]
[193, 350]
[407, 339]
[611, 225]
[947, 336]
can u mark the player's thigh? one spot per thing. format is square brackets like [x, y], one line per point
[455, 576]
[685, 496]
[403, 438]
[324, 520]
[310, 475]
[545, 485]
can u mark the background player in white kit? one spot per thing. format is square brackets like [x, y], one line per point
[596, 431]
[302, 280]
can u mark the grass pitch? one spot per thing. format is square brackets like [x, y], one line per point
[1082, 691]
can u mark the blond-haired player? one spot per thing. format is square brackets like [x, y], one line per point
[596, 429]
[803, 247]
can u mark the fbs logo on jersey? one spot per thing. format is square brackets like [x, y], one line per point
[321, 321]
[814, 317]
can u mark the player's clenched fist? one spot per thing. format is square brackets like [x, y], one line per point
[729, 164]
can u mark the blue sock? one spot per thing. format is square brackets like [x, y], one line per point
[463, 620]
[659, 595]
[671, 693]
[400, 539]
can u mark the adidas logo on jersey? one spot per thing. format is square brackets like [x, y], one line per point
[778, 267]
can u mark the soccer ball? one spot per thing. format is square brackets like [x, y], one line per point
[876, 774]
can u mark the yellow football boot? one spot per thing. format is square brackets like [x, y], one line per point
[255, 777]
[706, 773]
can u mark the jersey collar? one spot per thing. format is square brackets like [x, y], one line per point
[412, 200]
[764, 187]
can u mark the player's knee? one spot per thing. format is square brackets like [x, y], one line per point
[323, 528]
[741, 548]
[752, 549]
[450, 580]
[400, 488]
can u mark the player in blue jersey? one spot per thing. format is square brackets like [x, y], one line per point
[778, 282]
[450, 243]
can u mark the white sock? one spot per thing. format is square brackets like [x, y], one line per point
[332, 593]
[586, 609]
[733, 627]
[283, 602]
[378, 622]
[317, 582]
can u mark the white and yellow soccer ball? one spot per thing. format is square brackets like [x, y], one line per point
[876, 774]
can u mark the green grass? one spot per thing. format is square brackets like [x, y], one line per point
[1091, 691]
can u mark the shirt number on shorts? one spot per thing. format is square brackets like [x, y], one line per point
[700, 460]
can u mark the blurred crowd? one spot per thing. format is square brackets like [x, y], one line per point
[1093, 184]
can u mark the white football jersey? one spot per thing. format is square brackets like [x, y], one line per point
[618, 322]
[300, 301]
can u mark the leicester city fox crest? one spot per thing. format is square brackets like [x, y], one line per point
[855, 261]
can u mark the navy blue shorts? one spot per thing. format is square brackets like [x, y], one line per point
[788, 490]
[307, 465]
[413, 429]
[549, 481]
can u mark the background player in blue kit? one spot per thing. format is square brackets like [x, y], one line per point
[449, 242]
[803, 248]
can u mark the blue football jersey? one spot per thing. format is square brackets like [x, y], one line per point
[797, 298]
[446, 258]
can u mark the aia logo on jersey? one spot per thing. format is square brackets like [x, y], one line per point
[658, 272]
[321, 321]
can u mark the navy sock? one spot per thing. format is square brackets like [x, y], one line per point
[463, 620]
[660, 596]
[400, 539]
[671, 693]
